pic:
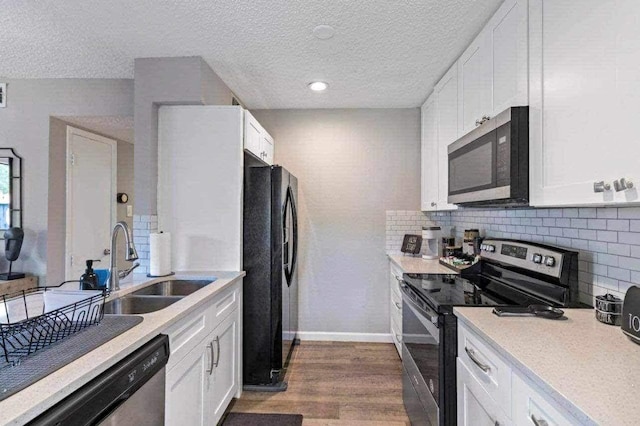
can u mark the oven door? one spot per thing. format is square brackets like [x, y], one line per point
[420, 359]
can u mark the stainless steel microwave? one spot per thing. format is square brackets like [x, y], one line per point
[490, 165]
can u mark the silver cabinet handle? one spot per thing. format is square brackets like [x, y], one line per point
[398, 306]
[107, 252]
[433, 204]
[539, 422]
[210, 347]
[476, 361]
[217, 351]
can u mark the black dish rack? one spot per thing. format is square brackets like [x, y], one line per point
[36, 318]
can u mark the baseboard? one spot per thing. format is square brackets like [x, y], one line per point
[344, 337]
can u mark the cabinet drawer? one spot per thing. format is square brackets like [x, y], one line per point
[530, 407]
[223, 304]
[186, 334]
[395, 308]
[486, 365]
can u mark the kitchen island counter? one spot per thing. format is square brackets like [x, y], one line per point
[27, 404]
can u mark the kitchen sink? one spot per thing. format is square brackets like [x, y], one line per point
[132, 304]
[173, 288]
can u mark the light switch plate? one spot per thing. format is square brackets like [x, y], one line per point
[3, 95]
[129, 210]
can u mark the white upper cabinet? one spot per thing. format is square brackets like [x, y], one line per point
[492, 72]
[585, 101]
[509, 42]
[439, 129]
[446, 92]
[429, 150]
[257, 140]
[474, 83]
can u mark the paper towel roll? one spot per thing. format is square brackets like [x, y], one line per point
[160, 254]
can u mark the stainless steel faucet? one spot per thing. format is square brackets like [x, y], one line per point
[130, 255]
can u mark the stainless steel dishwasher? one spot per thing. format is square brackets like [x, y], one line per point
[131, 393]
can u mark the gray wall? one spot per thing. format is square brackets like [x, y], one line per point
[25, 126]
[352, 165]
[166, 81]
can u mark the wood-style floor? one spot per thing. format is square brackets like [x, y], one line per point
[334, 383]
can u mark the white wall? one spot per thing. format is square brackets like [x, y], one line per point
[352, 165]
[25, 126]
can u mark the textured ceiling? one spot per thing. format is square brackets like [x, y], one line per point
[119, 127]
[386, 53]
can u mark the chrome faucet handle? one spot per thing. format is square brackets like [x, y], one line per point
[126, 272]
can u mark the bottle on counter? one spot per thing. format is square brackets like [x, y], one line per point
[89, 280]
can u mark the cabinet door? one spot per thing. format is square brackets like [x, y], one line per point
[267, 148]
[252, 134]
[188, 389]
[509, 50]
[475, 83]
[447, 128]
[226, 365]
[475, 406]
[429, 150]
[584, 100]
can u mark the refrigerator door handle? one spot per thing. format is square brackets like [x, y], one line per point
[290, 204]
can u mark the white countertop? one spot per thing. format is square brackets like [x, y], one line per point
[589, 368]
[418, 265]
[37, 398]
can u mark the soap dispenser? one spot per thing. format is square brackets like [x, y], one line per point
[89, 280]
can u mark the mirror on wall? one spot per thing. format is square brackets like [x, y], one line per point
[11, 211]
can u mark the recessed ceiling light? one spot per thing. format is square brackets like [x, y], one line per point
[324, 32]
[318, 86]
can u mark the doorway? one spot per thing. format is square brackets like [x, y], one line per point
[91, 188]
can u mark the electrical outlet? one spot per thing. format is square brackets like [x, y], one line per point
[129, 210]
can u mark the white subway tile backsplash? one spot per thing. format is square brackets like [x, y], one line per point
[629, 213]
[607, 239]
[143, 226]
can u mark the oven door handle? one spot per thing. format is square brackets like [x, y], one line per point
[424, 310]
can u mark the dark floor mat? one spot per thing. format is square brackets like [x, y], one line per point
[252, 419]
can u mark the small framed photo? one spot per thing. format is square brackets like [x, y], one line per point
[3, 95]
[411, 244]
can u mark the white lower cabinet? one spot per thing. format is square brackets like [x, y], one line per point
[475, 406]
[490, 390]
[188, 389]
[395, 306]
[225, 366]
[203, 374]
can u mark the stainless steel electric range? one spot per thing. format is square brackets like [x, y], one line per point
[509, 273]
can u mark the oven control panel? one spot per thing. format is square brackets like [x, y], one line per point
[533, 257]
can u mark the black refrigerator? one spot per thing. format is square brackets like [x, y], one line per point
[270, 252]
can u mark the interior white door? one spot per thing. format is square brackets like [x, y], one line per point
[91, 193]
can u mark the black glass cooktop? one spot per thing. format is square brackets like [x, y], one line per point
[443, 292]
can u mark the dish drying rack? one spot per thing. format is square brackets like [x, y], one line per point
[36, 318]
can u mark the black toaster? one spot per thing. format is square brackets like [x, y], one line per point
[631, 314]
